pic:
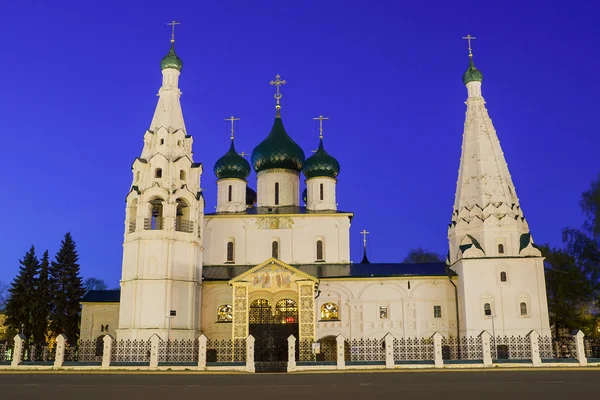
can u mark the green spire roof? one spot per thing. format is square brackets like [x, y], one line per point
[232, 165]
[278, 150]
[171, 60]
[472, 74]
[321, 164]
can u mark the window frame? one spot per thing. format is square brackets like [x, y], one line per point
[227, 311]
[437, 311]
[503, 277]
[158, 173]
[320, 249]
[336, 312]
[526, 306]
[230, 255]
[276, 193]
[275, 251]
[386, 310]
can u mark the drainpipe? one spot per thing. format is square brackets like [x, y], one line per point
[457, 316]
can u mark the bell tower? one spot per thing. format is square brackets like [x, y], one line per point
[162, 248]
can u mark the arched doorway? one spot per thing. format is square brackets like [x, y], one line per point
[271, 328]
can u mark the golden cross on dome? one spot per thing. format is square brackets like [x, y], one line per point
[232, 119]
[468, 39]
[172, 25]
[277, 83]
[243, 154]
[364, 233]
[321, 119]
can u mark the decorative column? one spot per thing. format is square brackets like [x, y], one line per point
[341, 354]
[579, 347]
[240, 315]
[61, 343]
[250, 353]
[154, 345]
[107, 352]
[486, 347]
[438, 359]
[306, 315]
[202, 352]
[534, 343]
[389, 351]
[18, 350]
[291, 353]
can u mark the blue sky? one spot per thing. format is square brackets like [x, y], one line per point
[80, 81]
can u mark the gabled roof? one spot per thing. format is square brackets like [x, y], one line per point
[271, 261]
[101, 296]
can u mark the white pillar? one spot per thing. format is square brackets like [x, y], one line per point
[341, 360]
[250, 353]
[202, 352]
[154, 345]
[437, 350]
[534, 342]
[18, 350]
[486, 347]
[389, 351]
[291, 353]
[107, 353]
[61, 344]
[580, 347]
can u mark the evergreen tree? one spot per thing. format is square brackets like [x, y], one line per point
[20, 307]
[67, 290]
[42, 302]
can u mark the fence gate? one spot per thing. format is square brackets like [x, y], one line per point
[271, 329]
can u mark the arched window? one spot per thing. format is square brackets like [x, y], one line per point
[182, 175]
[503, 276]
[158, 173]
[132, 215]
[319, 250]
[156, 216]
[276, 193]
[275, 249]
[179, 143]
[487, 309]
[162, 141]
[182, 220]
[321, 191]
[230, 252]
[329, 311]
[225, 313]
[229, 193]
[523, 308]
[500, 248]
[100, 346]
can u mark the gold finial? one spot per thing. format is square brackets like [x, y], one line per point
[364, 233]
[278, 82]
[321, 119]
[172, 25]
[232, 119]
[469, 38]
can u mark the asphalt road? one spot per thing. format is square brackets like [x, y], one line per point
[463, 385]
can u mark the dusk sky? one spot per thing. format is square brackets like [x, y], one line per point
[80, 82]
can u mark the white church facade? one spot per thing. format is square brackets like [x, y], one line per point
[276, 261]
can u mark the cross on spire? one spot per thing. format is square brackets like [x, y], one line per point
[232, 119]
[172, 25]
[277, 83]
[468, 38]
[365, 260]
[321, 118]
[364, 233]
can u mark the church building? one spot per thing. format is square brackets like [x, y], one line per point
[276, 261]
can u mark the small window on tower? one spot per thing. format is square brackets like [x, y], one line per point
[230, 252]
[523, 307]
[321, 192]
[158, 173]
[383, 312]
[275, 249]
[319, 250]
[503, 277]
[500, 248]
[487, 309]
[162, 141]
[437, 311]
[229, 193]
[179, 143]
[182, 175]
[276, 193]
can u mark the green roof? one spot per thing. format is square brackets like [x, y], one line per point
[321, 164]
[472, 74]
[278, 150]
[171, 60]
[232, 165]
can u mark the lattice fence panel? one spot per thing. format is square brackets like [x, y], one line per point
[564, 347]
[511, 347]
[131, 351]
[6, 351]
[306, 353]
[178, 351]
[467, 348]
[221, 350]
[90, 351]
[366, 349]
[38, 353]
[546, 348]
[413, 349]
[592, 347]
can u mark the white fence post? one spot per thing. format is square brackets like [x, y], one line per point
[341, 360]
[534, 343]
[61, 344]
[107, 352]
[250, 353]
[202, 352]
[154, 345]
[389, 351]
[437, 350]
[17, 355]
[486, 347]
[291, 353]
[580, 347]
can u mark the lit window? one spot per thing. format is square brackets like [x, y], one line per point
[182, 175]
[329, 311]
[321, 191]
[523, 307]
[276, 193]
[500, 249]
[225, 313]
[383, 312]
[229, 193]
[502, 276]
[487, 309]
[229, 252]
[275, 249]
[158, 173]
[437, 311]
[319, 250]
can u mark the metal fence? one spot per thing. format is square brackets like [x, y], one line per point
[464, 348]
[511, 348]
[592, 347]
[562, 347]
[413, 349]
[85, 351]
[178, 351]
[38, 353]
[134, 351]
[365, 350]
[225, 350]
[6, 351]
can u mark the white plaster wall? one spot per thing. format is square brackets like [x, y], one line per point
[238, 195]
[289, 188]
[313, 194]
[94, 315]
[297, 236]
[215, 294]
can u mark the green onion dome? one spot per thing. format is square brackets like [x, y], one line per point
[171, 60]
[278, 150]
[232, 165]
[321, 164]
[472, 74]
